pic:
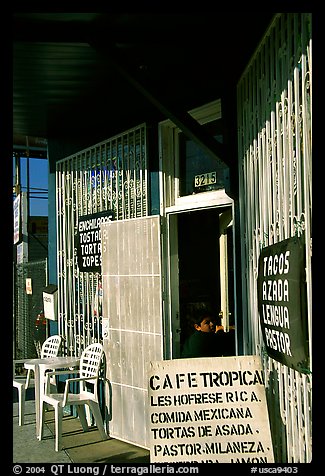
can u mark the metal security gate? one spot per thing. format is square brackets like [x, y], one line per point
[27, 307]
[111, 175]
[133, 313]
[275, 150]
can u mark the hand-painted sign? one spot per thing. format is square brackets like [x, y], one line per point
[88, 240]
[282, 302]
[209, 410]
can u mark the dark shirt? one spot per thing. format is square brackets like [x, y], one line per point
[203, 344]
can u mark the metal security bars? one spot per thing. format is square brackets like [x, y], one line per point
[27, 307]
[111, 175]
[275, 150]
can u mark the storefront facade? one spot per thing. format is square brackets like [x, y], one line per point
[145, 236]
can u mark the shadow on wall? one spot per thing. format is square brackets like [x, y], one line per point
[278, 432]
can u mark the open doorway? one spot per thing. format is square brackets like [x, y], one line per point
[204, 277]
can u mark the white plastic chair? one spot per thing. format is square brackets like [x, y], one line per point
[50, 348]
[88, 375]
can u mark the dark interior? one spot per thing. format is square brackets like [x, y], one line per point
[199, 268]
[198, 248]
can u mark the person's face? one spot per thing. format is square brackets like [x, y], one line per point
[207, 325]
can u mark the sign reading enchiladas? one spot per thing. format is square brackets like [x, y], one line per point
[88, 240]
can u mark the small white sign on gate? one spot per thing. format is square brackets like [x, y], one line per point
[209, 410]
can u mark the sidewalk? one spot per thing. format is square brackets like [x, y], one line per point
[79, 446]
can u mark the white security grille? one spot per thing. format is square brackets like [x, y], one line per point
[275, 139]
[111, 175]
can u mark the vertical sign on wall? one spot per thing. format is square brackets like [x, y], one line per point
[282, 302]
[209, 410]
[17, 219]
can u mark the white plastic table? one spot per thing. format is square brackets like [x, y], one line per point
[40, 366]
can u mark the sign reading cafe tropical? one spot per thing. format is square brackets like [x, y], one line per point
[209, 410]
[282, 302]
[88, 240]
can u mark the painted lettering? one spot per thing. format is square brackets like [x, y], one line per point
[276, 264]
[274, 315]
[275, 290]
[279, 341]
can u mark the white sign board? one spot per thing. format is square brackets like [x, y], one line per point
[29, 288]
[50, 303]
[209, 410]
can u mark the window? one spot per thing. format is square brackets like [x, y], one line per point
[198, 171]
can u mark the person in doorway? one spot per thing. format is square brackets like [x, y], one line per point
[229, 342]
[226, 338]
[205, 341]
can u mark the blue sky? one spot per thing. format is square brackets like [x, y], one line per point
[38, 183]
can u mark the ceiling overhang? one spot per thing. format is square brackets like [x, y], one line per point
[95, 74]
